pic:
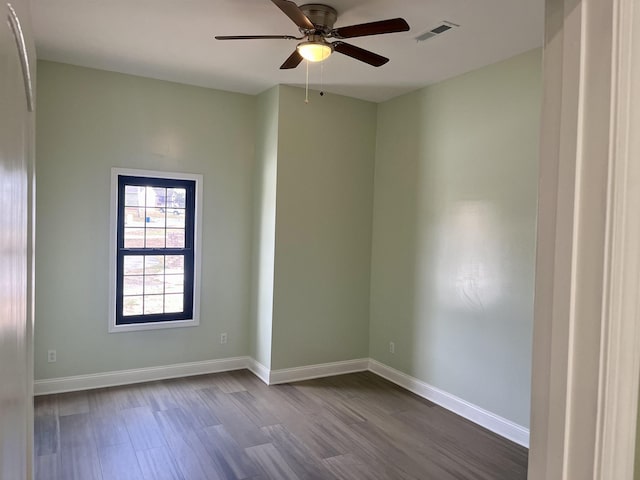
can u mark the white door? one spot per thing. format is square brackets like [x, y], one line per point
[15, 249]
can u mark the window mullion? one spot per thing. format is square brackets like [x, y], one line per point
[155, 251]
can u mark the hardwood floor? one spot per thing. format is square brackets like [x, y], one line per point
[232, 426]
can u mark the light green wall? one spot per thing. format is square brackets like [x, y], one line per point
[89, 121]
[323, 229]
[264, 225]
[454, 234]
[302, 263]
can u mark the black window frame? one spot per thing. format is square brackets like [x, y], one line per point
[188, 251]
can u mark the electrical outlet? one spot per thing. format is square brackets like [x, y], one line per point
[223, 338]
[392, 347]
[51, 356]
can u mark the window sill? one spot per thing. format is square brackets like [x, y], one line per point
[134, 327]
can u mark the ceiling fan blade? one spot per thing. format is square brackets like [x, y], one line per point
[256, 37]
[292, 62]
[373, 28]
[360, 54]
[292, 11]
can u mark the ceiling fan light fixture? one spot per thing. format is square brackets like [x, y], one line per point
[315, 51]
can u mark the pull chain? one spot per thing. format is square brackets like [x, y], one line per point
[321, 79]
[306, 92]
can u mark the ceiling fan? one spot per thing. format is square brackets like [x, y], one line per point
[315, 22]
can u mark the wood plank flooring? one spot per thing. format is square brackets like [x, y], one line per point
[232, 426]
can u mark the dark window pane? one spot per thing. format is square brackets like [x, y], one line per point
[155, 217]
[174, 264]
[133, 237]
[132, 285]
[153, 304]
[134, 217]
[153, 264]
[153, 284]
[132, 306]
[176, 198]
[134, 196]
[175, 218]
[173, 303]
[156, 197]
[174, 284]
[133, 265]
[175, 238]
[155, 238]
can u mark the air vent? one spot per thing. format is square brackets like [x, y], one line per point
[440, 29]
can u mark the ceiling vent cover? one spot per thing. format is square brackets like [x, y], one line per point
[440, 29]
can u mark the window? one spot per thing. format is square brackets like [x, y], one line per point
[155, 250]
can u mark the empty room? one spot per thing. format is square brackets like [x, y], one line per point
[353, 240]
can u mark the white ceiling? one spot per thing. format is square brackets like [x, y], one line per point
[173, 40]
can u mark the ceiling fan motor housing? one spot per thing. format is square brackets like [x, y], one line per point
[322, 16]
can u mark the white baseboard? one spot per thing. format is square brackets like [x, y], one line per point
[484, 418]
[137, 375]
[259, 370]
[478, 415]
[308, 372]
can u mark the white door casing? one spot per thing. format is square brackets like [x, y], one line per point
[586, 343]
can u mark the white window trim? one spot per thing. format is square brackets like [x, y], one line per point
[197, 254]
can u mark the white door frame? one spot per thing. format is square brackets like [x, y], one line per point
[586, 361]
